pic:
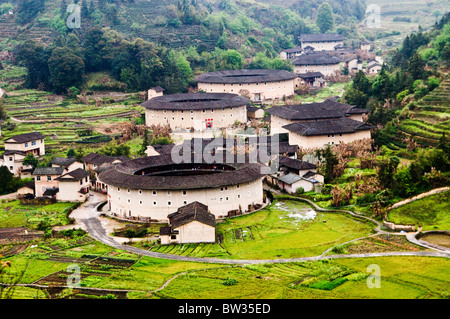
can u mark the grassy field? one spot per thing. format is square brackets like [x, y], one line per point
[13, 214]
[285, 229]
[342, 278]
[46, 263]
[431, 212]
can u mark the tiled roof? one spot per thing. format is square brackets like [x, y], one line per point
[195, 101]
[164, 173]
[295, 163]
[321, 37]
[245, 76]
[63, 161]
[194, 211]
[23, 138]
[314, 111]
[48, 171]
[333, 126]
[309, 75]
[75, 175]
[99, 159]
[318, 58]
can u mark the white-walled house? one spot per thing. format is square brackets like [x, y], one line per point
[29, 143]
[17, 147]
[258, 85]
[154, 92]
[319, 111]
[318, 134]
[73, 186]
[322, 41]
[192, 223]
[45, 180]
[322, 62]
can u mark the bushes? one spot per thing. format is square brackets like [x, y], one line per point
[230, 282]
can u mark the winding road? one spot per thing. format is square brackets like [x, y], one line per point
[89, 219]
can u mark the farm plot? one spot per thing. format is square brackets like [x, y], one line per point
[63, 120]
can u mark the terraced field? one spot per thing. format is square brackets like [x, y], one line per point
[430, 118]
[63, 120]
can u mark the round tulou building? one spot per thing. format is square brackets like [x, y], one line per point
[154, 187]
[259, 85]
[196, 110]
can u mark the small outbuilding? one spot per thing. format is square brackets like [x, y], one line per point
[191, 223]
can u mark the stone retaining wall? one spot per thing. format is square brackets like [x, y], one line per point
[406, 228]
[410, 228]
[412, 199]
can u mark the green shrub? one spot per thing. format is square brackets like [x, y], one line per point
[300, 190]
[230, 282]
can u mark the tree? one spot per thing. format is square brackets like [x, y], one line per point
[66, 69]
[386, 171]
[416, 66]
[71, 153]
[331, 161]
[325, 18]
[144, 143]
[31, 160]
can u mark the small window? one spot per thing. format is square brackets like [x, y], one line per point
[38, 178]
[129, 201]
[239, 196]
[118, 189]
[185, 202]
[221, 199]
[128, 191]
[169, 203]
[173, 236]
[49, 178]
[154, 192]
[140, 192]
[140, 202]
[168, 193]
[154, 203]
[184, 193]
[26, 144]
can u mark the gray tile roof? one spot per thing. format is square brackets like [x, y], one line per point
[334, 126]
[313, 111]
[318, 58]
[290, 178]
[195, 101]
[161, 172]
[75, 175]
[321, 37]
[245, 76]
[23, 138]
[48, 171]
[295, 163]
[194, 211]
[63, 161]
